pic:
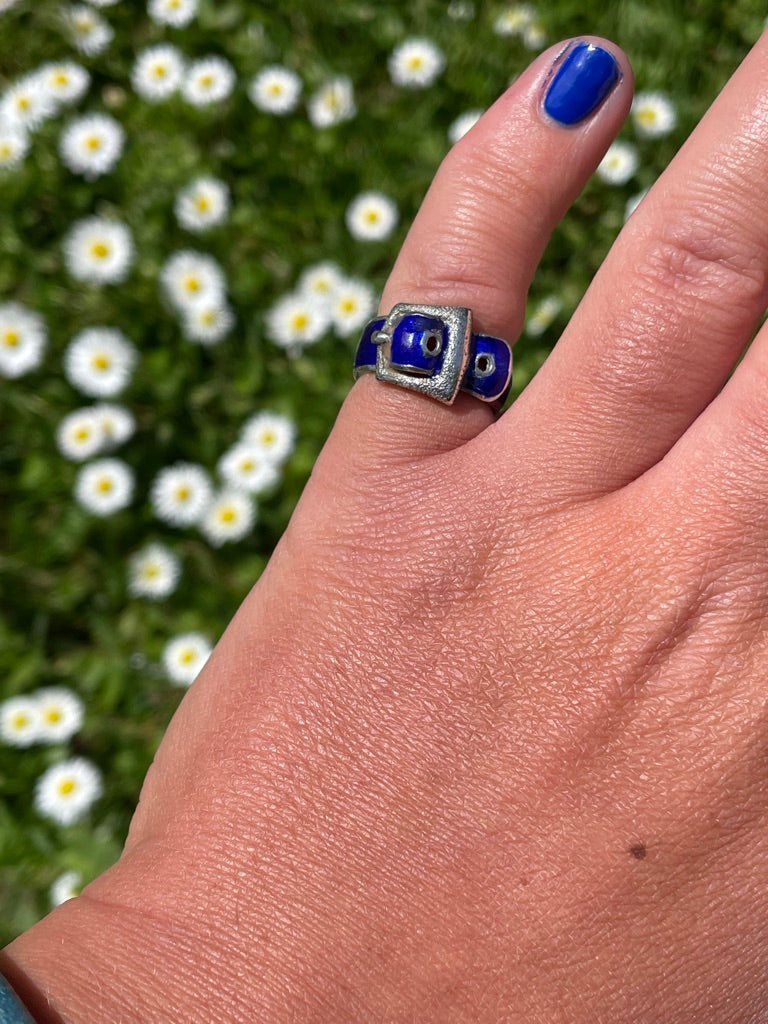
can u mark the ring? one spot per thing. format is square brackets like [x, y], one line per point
[432, 349]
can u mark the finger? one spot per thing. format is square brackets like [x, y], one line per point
[671, 308]
[481, 231]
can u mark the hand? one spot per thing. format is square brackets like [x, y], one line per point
[486, 742]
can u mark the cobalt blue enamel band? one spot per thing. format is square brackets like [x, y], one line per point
[12, 1010]
[431, 349]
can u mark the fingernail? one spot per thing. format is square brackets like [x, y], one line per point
[583, 80]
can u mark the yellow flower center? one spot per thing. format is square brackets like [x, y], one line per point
[348, 306]
[82, 433]
[187, 656]
[93, 142]
[66, 786]
[101, 362]
[61, 78]
[151, 570]
[203, 204]
[227, 515]
[53, 715]
[100, 250]
[275, 88]
[104, 485]
[647, 115]
[208, 317]
[182, 493]
[192, 284]
[247, 465]
[23, 103]
[11, 339]
[268, 437]
[299, 321]
[159, 71]
[206, 80]
[372, 216]
[20, 720]
[5, 150]
[415, 62]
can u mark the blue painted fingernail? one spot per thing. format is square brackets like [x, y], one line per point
[582, 82]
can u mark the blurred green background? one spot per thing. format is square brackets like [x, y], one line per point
[66, 617]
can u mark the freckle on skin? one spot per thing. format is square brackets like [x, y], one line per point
[638, 850]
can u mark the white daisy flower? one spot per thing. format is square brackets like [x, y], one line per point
[229, 517]
[320, 281]
[66, 791]
[352, 306]
[100, 361]
[65, 82]
[14, 146]
[61, 714]
[463, 123]
[246, 467]
[104, 486]
[619, 164]
[22, 340]
[19, 721]
[25, 105]
[297, 320]
[371, 216]
[99, 251]
[415, 63]
[534, 37]
[653, 114]
[116, 423]
[66, 887]
[275, 90]
[90, 33]
[333, 103]
[514, 20]
[79, 435]
[180, 494]
[158, 72]
[184, 657]
[209, 80]
[153, 572]
[177, 13]
[270, 434]
[204, 203]
[543, 315]
[190, 277]
[208, 323]
[92, 145]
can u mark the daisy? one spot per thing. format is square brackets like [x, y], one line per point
[66, 791]
[296, 320]
[208, 322]
[371, 216]
[514, 20]
[158, 72]
[204, 203]
[653, 115]
[100, 361]
[229, 517]
[153, 572]
[99, 251]
[22, 340]
[462, 124]
[104, 486]
[543, 315]
[14, 146]
[19, 721]
[79, 435]
[320, 281]
[61, 714]
[208, 81]
[271, 434]
[65, 82]
[90, 33]
[415, 63]
[534, 37]
[275, 90]
[190, 277]
[25, 105]
[333, 102]
[115, 422]
[184, 657]
[246, 467]
[92, 145]
[619, 164]
[180, 494]
[353, 304]
[66, 887]
[177, 13]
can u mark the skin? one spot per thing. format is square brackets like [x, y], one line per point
[486, 741]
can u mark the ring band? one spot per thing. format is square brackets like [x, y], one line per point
[432, 349]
